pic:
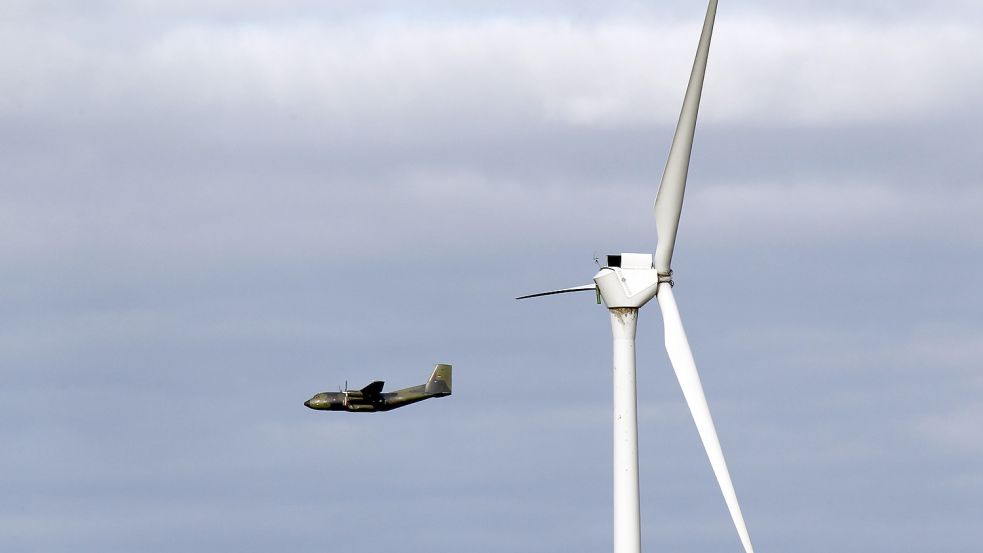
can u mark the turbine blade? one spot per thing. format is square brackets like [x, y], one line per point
[669, 201]
[584, 288]
[681, 357]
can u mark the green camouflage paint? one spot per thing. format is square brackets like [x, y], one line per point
[371, 398]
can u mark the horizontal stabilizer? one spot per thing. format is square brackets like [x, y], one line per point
[373, 389]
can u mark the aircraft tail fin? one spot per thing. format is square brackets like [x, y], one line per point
[440, 380]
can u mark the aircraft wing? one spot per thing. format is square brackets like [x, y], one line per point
[373, 389]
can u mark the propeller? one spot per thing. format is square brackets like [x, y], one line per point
[583, 288]
[681, 357]
[668, 206]
[669, 201]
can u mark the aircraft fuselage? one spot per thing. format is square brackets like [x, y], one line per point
[355, 401]
[371, 398]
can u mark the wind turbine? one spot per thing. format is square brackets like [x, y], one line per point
[626, 284]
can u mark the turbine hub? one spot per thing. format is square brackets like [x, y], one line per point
[629, 280]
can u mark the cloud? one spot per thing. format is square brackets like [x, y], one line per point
[414, 82]
[853, 214]
[958, 430]
[449, 118]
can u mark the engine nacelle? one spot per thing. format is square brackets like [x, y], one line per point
[629, 280]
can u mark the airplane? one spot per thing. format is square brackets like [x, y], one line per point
[371, 399]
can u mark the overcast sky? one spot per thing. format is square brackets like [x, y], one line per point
[212, 210]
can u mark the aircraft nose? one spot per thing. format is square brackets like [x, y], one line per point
[307, 404]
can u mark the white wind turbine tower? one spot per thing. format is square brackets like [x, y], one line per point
[627, 283]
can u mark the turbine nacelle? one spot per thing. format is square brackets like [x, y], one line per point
[628, 280]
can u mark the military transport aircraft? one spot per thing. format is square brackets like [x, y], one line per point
[370, 398]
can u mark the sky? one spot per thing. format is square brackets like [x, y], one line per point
[212, 210]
